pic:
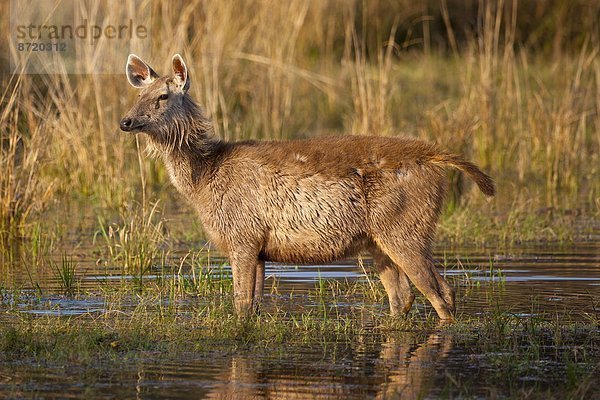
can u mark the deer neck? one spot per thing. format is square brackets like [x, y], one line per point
[190, 167]
[189, 149]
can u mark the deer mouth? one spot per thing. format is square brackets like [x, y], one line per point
[130, 125]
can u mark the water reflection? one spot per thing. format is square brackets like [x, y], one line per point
[242, 378]
[392, 367]
[561, 282]
[402, 365]
[412, 370]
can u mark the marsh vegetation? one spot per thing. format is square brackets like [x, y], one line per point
[102, 265]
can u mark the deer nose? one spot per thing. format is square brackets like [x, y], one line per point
[126, 124]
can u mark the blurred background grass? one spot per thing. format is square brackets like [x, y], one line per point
[512, 85]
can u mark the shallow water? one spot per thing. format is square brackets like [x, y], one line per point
[411, 366]
[553, 282]
[528, 280]
[373, 369]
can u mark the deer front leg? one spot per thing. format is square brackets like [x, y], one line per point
[243, 268]
[259, 285]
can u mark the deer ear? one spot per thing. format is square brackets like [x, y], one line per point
[139, 74]
[180, 72]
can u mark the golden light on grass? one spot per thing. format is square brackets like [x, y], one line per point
[272, 70]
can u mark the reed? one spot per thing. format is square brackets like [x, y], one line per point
[135, 242]
[22, 150]
[66, 275]
[518, 99]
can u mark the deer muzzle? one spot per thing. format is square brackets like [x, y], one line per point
[130, 124]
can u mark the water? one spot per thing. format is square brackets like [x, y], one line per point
[550, 279]
[354, 373]
[553, 282]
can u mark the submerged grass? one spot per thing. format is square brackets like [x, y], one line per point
[152, 322]
[510, 353]
[190, 304]
[186, 310]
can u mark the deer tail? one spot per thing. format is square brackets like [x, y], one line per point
[483, 181]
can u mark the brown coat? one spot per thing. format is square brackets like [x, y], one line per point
[304, 201]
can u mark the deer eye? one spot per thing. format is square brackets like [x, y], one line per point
[161, 97]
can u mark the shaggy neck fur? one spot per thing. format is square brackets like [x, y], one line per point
[189, 130]
[188, 145]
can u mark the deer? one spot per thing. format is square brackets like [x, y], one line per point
[305, 201]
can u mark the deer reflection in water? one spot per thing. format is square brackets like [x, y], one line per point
[400, 366]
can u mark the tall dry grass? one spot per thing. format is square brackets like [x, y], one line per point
[22, 139]
[276, 70]
[531, 120]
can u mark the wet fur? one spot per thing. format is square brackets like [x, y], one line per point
[313, 201]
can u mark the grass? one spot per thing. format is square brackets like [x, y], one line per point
[184, 310]
[529, 119]
[526, 111]
[195, 275]
[154, 318]
[66, 275]
[22, 191]
[135, 242]
[502, 349]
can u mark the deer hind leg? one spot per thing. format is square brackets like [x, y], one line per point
[396, 284]
[419, 268]
[447, 290]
